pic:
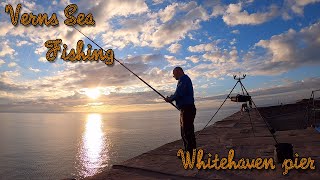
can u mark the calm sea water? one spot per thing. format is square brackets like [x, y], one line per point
[77, 145]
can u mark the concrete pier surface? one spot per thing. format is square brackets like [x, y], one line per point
[234, 132]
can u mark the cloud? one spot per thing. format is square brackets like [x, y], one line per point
[8, 84]
[173, 61]
[8, 74]
[157, 29]
[5, 27]
[38, 36]
[123, 24]
[124, 7]
[308, 84]
[145, 58]
[34, 70]
[297, 6]
[10, 87]
[112, 102]
[20, 43]
[281, 53]
[235, 16]
[12, 64]
[300, 89]
[215, 53]
[155, 2]
[193, 58]
[61, 92]
[76, 76]
[2, 62]
[168, 13]
[233, 41]
[174, 48]
[64, 3]
[133, 30]
[204, 47]
[176, 30]
[102, 11]
[235, 32]
[97, 74]
[27, 6]
[5, 49]
[218, 10]
[286, 51]
[216, 64]
[222, 56]
[42, 59]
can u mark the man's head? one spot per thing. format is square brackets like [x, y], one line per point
[177, 72]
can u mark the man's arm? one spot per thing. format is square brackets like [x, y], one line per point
[178, 93]
[170, 98]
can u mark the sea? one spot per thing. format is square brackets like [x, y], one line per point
[78, 145]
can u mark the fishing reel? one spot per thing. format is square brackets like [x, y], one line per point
[238, 77]
[245, 99]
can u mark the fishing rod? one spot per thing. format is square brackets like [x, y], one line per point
[126, 67]
[239, 81]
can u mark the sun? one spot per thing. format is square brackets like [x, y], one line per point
[93, 93]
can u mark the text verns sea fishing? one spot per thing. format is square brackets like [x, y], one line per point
[54, 46]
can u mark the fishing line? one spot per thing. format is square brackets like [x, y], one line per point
[199, 132]
[125, 66]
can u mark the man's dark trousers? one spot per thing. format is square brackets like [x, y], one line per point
[187, 115]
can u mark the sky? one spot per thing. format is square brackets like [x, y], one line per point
[275, 43]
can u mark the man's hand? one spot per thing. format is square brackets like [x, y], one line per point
[167, 99]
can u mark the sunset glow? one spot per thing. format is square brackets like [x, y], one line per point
[93, 93]
[274, 42]
[92, 145]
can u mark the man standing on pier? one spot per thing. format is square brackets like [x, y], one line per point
[184, 99]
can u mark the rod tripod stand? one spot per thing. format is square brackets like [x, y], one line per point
[244, 98]
[282, 150]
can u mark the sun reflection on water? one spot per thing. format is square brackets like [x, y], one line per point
[92, 146]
